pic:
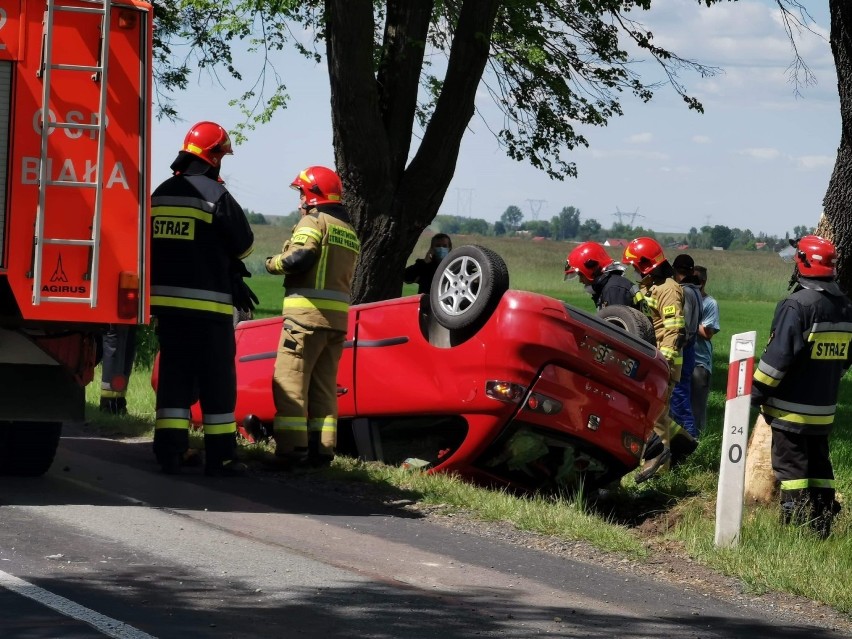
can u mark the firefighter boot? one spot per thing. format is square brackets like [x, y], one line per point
[822, 517]
[108, 406]
[654, 465]
[227, 468]
[121, 406]
[683, 445]
[653, 447]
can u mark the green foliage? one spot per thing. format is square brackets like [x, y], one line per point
[254, 217]
[512, 218]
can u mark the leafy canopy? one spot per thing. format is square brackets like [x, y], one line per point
[553, 67]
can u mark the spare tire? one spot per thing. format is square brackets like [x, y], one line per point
[631, 320]
[467, 286]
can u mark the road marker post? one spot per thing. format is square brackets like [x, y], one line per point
[729, 497]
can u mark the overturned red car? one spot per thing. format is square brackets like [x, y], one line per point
[497, 385]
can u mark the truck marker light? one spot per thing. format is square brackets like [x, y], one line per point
[539, 403]
[128, 295]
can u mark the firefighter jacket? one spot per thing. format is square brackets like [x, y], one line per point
[318, 263]
[197, 232]
[664, 298]
[797, 380]
[611, 288]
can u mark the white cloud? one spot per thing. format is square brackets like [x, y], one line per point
[640, 138]
[761, 153]
[701, 139]
[810, 162]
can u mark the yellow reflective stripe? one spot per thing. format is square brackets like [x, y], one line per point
[322, 267]
[177, 424]
[324, 424]
[323, 305]
[800, 484]
[798, 418]
[220, 429]
[763, 378]
[668, 353]
[652, 301]
[195, 305]
[303, 233]
[247, 252]
[109, 394]
[181, 211]
[280, 424]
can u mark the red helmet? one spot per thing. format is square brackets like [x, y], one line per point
[644, 254]
[320, 186]
[587, 260]
[816, 257]
[208, 141]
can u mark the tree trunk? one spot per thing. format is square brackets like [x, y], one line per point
[392, 204]
[836, 223]
[760, 484]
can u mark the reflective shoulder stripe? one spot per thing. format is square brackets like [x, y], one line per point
[832, 327]
[766, 380]
[178, 201]
[798, 418]
[302, 233]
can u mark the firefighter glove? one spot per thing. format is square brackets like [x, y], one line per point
[244, 298]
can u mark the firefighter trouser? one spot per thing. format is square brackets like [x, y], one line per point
[700, 392]
[304, 388]
[681, 399]
[119, 351]
[802, 465]
[196, 364]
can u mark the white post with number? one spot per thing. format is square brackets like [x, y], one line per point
[729, 498]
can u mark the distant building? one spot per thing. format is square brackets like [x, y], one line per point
[616, 242]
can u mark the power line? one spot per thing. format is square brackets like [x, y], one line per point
[535, 207]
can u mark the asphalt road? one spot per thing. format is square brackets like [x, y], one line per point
[104, 545]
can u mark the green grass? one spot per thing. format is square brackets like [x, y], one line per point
[769, 557]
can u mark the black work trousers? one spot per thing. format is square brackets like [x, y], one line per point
[197, 364]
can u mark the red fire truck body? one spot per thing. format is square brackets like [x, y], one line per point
[75, 96]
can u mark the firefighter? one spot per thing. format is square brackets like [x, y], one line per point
[118, 347]
[602, 277]
[318, 263]
[670, 443]
[199, 237]
[796, 384]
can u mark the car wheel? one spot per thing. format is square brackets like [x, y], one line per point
[467, 286]
[631, 320]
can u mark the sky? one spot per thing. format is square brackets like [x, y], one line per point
[759, 157]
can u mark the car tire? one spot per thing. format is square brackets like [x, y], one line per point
[631, 320]
[468, 286]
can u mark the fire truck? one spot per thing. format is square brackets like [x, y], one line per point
[75, 118]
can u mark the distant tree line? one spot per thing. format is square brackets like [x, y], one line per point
[569, 225]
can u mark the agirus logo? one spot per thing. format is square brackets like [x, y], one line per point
[60, 276]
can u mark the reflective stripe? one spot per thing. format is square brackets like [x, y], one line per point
[177, 413]
[652, 302]
[770, 370]
[800, 484]
[809, 409]
[832, 327]
[177, 424]
[304, 302]
[280, 424]
[192, 293]
[759, 376]
[674, 322]
[322, 267]
[192, 298]
[305, 233]
[180, 211]
[110, 394]
[220, 429]
[178, 201]
[247, 252]
[218, 418]
[324, 294]
[195, 305]
[798, 418]
[323, 424]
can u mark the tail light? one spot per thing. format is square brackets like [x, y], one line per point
[505, 391]
[128, 295]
